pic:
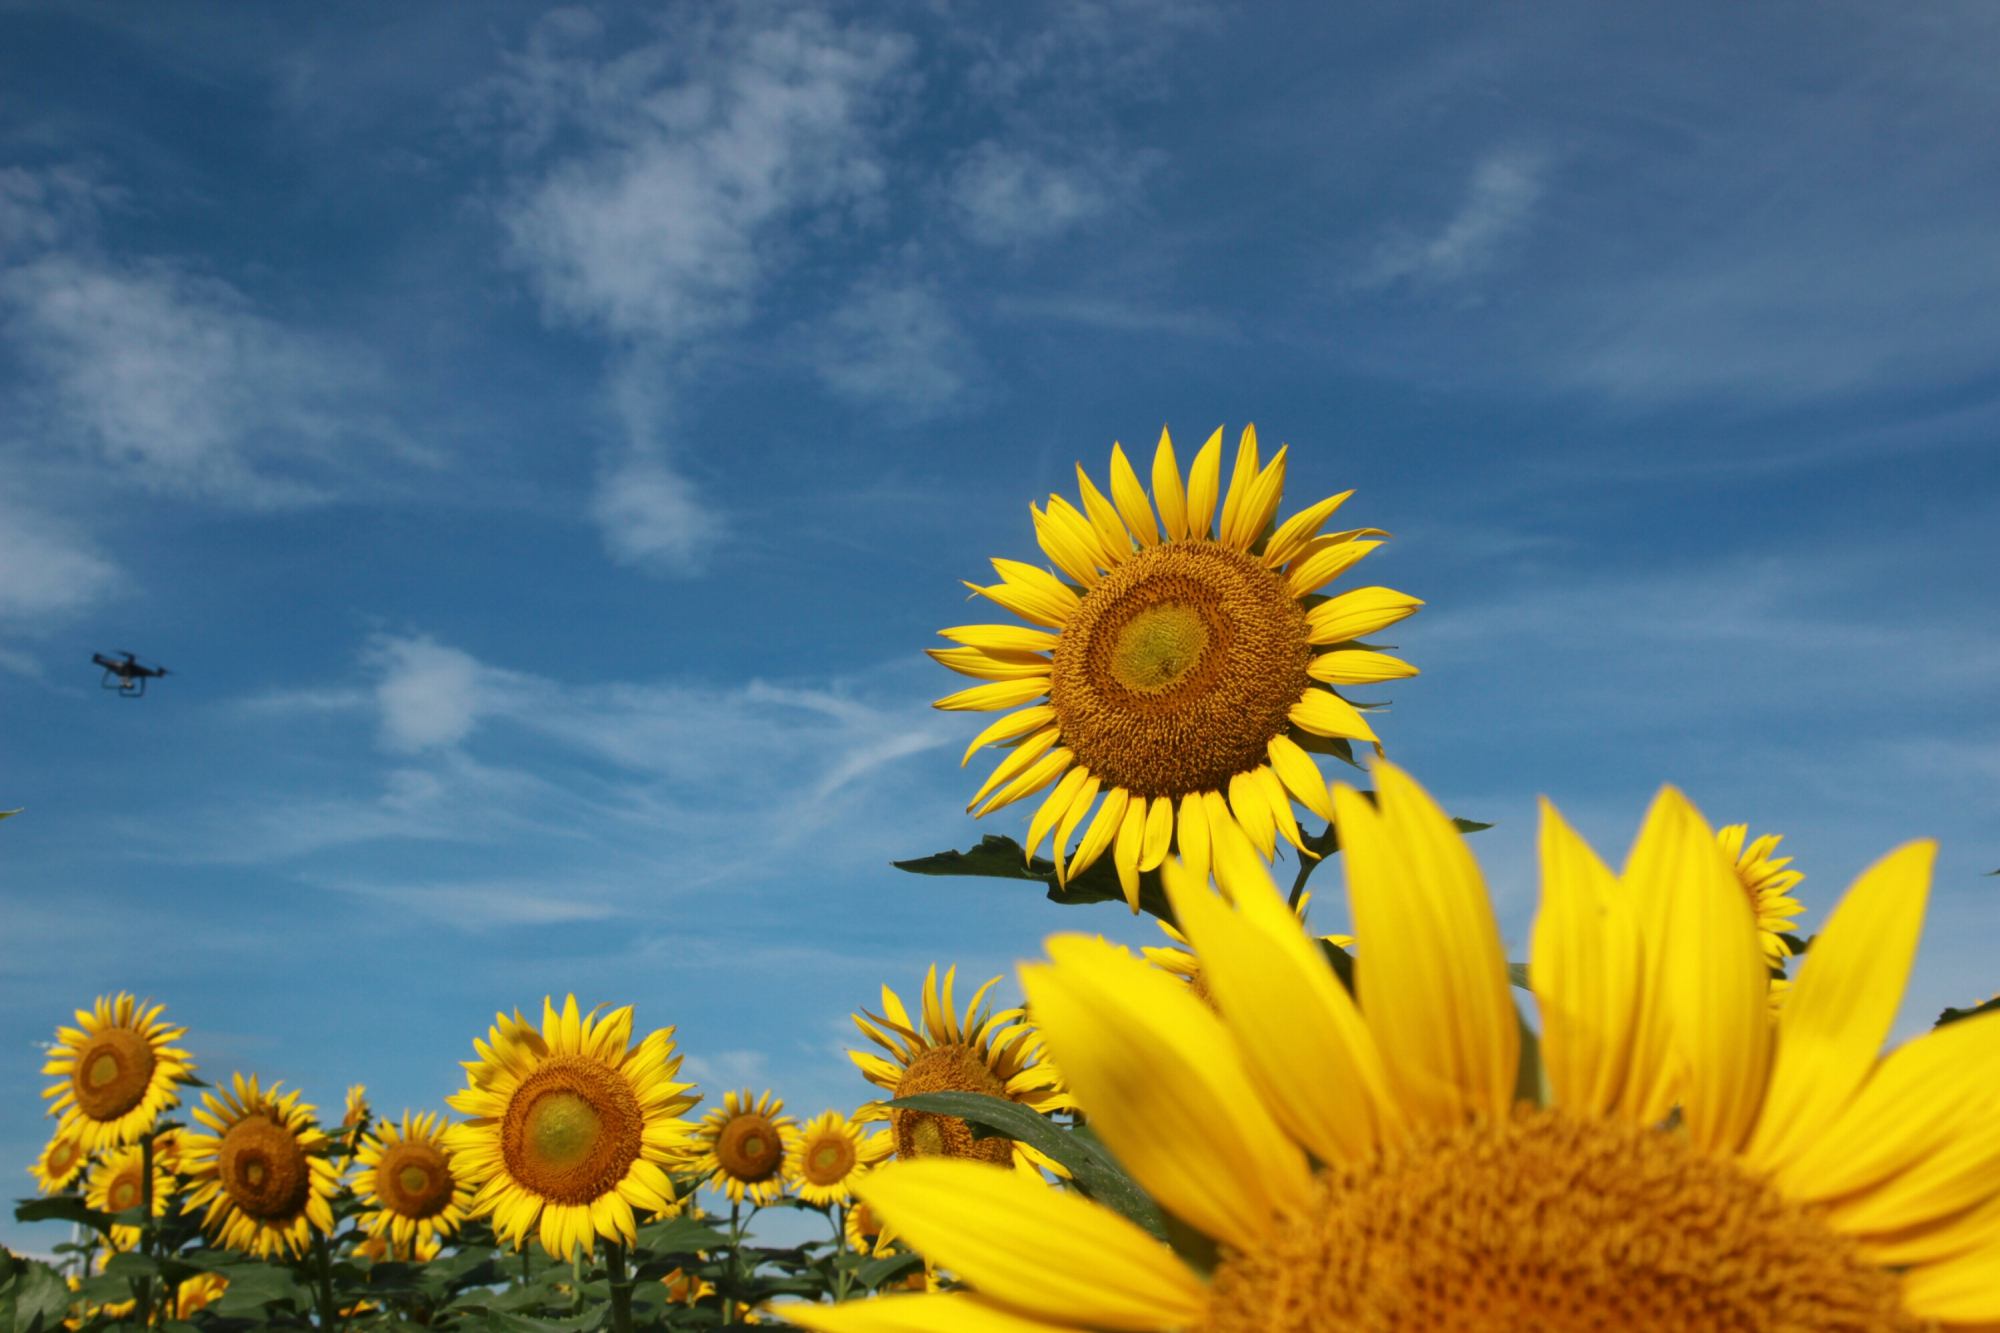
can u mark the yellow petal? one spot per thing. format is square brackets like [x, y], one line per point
[1260, 504]
[1353, 666]
[1842, 1004]
[1058, 850]
[991, 698]
[1054, 808]
[1253, 813]
[1159, 833]
[1007, 728]
[939, 1312]
[1030, 603]
[1164, 1084]
[983, 665]
[1326, 714]
[1059, 542]
[1125, 854]
[1321, 567]
[1310, 1056]
[1167, 492]
[1435, 987]
[1130, 497]
[1079, 526]
[1204, 483]
[1961, 1290]
[1975, 1229]
[1002, 638]
[1293, 534]
[1717, 989]
[1034, 579]
[1104, 520]
[1193, 838]
[1652, 871]
[1038, 775]
[1353, 614]
[1587, 961]
[1102, 830]
[1241, 478]
[1960, 1175]
[1296, 769]
[1022, 755]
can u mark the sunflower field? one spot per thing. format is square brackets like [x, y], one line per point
[1674, 1114]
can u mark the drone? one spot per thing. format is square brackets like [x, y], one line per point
[127, 677]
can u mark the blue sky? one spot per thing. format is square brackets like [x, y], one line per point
[541, 442]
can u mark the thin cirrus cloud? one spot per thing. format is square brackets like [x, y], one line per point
[1497, 205]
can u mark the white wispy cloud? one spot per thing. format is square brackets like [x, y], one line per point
[48, 569]
[899, 344]
[1010, 195]
[1499, 200]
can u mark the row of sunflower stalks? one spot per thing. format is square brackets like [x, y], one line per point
[568, 1197]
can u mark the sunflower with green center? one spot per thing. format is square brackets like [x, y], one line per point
[1180, 960]
[263, 1174]
[999, 1054]
[1769, 882]
[1364, 1163]
[412, 1197]
[1185, 665]
[118, 1182]
[118, 1072]
[832, 1152]
[747, 1146]
[62, 1159]
[572, 1127]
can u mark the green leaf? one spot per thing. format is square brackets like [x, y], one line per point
[1531, 1080]
[998, 857]
[33, 1297]
[61, 1208]
[1342, 962]
[1096, 1173]
[131, 1266]
[254, 1286]
[9, 814]
[681, 1235]
[1517, 973]
[1954, 1015]
[887, 1269]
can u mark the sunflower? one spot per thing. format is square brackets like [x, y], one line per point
[1183, 671]
[118, 1183]
[118, 1072]
[999, 1054]
[1179, 959]
[747, 1147]
[832, 1152]
[572, 1127]
[1367, 1165]
[61, 1161]
[863, 1230]
[406, 1182]
[263, 1174]
[197, 1293]
[683, 1288]
[1767, 881]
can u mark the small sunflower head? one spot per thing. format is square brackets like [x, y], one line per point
[118, 1071]
[750, 1147]
[832, 1152]
[62, 1159]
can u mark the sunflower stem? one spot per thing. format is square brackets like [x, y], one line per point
[329, 1314]
[146, 1226]
[576, 1277]
[621, 1289]
[1307, 865]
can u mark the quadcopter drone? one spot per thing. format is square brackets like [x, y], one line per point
[127, 677]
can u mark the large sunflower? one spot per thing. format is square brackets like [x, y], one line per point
[1184, 669]
[118, 1072]
[118, 1183]
[833, 1152]
[999, 1054]
[1179, 957]
[1769, 883]
[1367, 1165]
[747, 1147]
[263, 1174]
[572, 1127]
[410, 1194]
[60, 1162]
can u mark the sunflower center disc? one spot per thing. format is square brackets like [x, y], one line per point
[413, 1180]
[924, 1134]
[1549, 1222]
[749, 1148]
[571, 1130]
[124, 1194]
[112, 1073]
[1178, 668]
[263, 1169]
[829, 1160]
[62, 1159]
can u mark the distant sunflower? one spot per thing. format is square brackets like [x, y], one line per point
[1767, 881]
[572, 1127]
[407, 1187]
[832, 1152]
[683, 1288]
[1185, 667]
[118, 1072]
[864, 1231]
[197, 1293]
[747, 1147]
[263, 1175]
[118, 1183]
[61, 1161]
[1180, 959]
[999, 1054]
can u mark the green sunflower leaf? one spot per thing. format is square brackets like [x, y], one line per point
[61, 1208]
[1953, 1015]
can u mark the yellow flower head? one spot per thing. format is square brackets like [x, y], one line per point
[197, 1293]
[118, 1183]
[118, 1071]
[747, 1147]
[686, 1289]
[61, 1161]
[406, 1182]
[864, 1232]
[571, 1127]
[832, 1152]
[999, 1054]
[1182, 671]
[1366, 1163]
[262, 1174]
[358, 1112]
[1768, 882]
